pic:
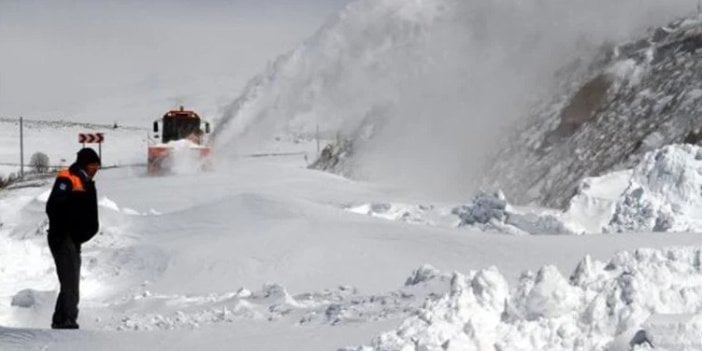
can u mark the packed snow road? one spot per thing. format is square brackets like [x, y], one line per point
[260, 253]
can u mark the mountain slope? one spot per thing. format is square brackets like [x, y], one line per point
[426, 88]
[639, 96]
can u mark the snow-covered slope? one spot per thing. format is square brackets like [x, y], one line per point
[636, 97]
[424, 88]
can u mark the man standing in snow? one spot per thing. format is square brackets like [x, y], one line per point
[73, 220]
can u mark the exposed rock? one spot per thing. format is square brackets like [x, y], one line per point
[491, 212]
[333, 157]
[637, 97]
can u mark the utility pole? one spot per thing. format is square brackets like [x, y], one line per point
[21, 148]
[317, 137]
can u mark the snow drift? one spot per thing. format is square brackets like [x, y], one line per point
[664, 193]
[601, 306]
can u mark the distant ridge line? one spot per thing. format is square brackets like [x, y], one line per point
[70, 124]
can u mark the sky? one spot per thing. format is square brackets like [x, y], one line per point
[58, 56]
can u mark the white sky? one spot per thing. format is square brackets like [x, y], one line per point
[56, 56]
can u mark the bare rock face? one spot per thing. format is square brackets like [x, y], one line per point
[333, 157]
[635, 97]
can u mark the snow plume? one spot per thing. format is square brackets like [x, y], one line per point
[185, 157]
[601, 306]
[437, 80]
[664, 193]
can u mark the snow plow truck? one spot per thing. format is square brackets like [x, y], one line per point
[179, 143]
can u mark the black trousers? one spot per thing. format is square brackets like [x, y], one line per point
[66, 254]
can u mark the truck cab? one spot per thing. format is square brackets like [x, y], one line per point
[179, 135]
[180, 124]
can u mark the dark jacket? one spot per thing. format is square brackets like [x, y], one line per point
[72, 206]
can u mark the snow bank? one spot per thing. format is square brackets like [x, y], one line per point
[601, 306]
[488, 212]
[592, 206]
[491, 212]
[431, 215]
[396, 212]
[670, 332]
[664, 193]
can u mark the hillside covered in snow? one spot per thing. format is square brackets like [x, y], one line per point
[426, 90]
[636, 97]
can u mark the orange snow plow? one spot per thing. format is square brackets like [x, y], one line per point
[179, 143]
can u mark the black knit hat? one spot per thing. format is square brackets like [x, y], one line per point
[87, 156]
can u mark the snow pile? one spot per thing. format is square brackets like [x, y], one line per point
[410, 213]
[601, 306]
[673, 332]
[484, 209]
[396, 212]
[25, 261]
[491, 212]
[594, 203]
[664, 193]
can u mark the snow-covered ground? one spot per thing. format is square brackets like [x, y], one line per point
[122, 146]
[262, 253]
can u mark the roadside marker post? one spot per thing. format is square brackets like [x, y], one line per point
[92, 138]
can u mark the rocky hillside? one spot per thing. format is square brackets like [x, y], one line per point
[423, 90]
[636, 97]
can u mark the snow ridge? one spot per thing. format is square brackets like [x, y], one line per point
[600, 306]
